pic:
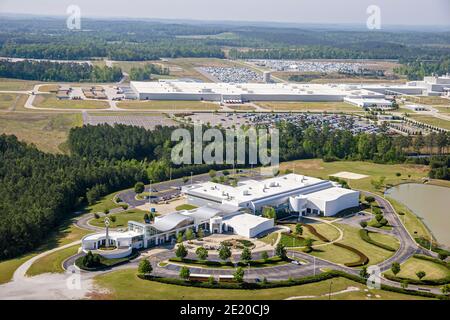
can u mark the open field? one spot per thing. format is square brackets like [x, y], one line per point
[50, 101]
[49, 88]
[352, 239]
[433, 270]
[310, 106]
[52, 263]
[443, 109]
[47, 131]
[328, 231]
[65, 234]
[103, 203]
[318, 168]
[441, 123]
[122, 218]
[169, 105]
[10, 101]
[16, 84]
[119, 283]
[429, 100]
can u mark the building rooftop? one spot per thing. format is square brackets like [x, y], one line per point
[250, 190]
[330, 193]
[244, 220]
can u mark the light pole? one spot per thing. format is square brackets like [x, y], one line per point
[191, 178]
[329, 293]
[150, 193]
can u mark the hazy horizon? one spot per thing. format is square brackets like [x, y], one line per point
[320, 12]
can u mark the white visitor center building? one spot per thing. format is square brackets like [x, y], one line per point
[227, 209]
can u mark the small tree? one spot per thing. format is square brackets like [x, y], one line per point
[269, 213]
[189, 234]
[404, 284]
[139, 187]
[421, 274]
[212, 173]
[96, 216]
[398, 174]
[363, 224]
[180, 237]
[265, 256]
[280, 251]
[185, 273]
[369, 199]
[211, 280]
[185, 179]
[145, 267]
[308, 244]
[146, 217]
[395, 268]
[224, 253]
[445, 289]
[442, 256]
[246, 255]
[298, 229]
[379, 217]
[106, 211]
[113, 219]
[363, 272]
[201, 253]
[181, 251]
[200, 233]
[226, 172]
[238, 275]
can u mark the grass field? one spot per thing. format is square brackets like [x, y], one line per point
[66, 234]
[443, 109]
[52, 263]
[119, 283]
[429, 100]
[168, 105]
[10, 101]
[270, 238]
[47, 131]
[328, 231]
[433, 270]
[352, 238]
[310, 106]
[16, 84]
[412, 223]
[122, 218]
[441, 123]
[185, 206]
[103, 203]
[318, 168]
[385, 239]
[49, 88]
[50, 101]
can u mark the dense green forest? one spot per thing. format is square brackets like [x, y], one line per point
[145, 72]
[149, 40]
[416, 70]
[55, 71]
[39, 190]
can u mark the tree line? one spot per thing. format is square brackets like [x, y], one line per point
[58, 71]
[145, 72]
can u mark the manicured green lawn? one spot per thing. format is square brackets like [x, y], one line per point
[441, 123]
[412, 223]
[385, 239]
[291, 241]
[270, 238]
[433, 270]
[50, 101]
[119, 283]
[105, 202]
[122, 218]
[53, 262]
[328, 231]
[352, 238]
[185, 206]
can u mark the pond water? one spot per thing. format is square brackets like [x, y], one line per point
[431, 203]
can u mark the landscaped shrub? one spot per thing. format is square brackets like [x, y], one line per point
[432, 259]
[429, 282]
[426, 244]
[219, 264]
[315, 233]
[103, 263]
[364, 234]
[363, 259]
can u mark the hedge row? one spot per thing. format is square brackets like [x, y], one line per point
[364, 234]
[219, 264]
[428, 282]
[106, 263]
[288, 283]
[363, 259]
[426, 244]
[314, 232]
[432, 259]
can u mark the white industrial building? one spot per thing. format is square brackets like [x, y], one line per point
[369, 103]
[298, 193]
[223, 208]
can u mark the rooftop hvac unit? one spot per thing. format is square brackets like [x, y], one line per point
[246, 193]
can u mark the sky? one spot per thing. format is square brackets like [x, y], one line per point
[392, 12]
